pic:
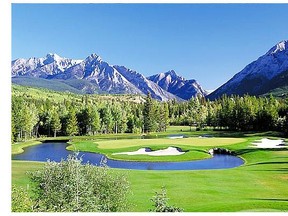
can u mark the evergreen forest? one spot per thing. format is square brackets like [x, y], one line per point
[44, 113]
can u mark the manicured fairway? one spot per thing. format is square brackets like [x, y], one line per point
[191, 141]
[259, 185]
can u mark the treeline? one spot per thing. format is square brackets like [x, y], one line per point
[36, 116]
[234, 113]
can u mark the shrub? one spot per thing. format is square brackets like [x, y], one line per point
[69, 186]
[21, 202]
[160, 203]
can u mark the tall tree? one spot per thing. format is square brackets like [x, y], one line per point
[55, 122]
[85, 120]
[148, 114]
[107, 119]
[72, 124]
[30, 119]
[96, 121]
[117, 116]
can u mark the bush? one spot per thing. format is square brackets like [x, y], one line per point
[160, 203]
[69, 186]
[21, 202]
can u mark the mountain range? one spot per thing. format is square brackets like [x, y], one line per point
[266, 74]
[93, 75]
[269, 73]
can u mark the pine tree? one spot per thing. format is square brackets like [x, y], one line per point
[72, 124]
[166, 116]
[148, 114]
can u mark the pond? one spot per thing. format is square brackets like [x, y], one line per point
[55, 151]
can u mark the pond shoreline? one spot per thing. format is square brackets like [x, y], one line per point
[56, 151]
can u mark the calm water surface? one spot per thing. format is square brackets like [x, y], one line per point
[55, 151]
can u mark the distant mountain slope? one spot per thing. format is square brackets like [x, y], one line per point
[279, 81]
[99, 73]
[177, 85]
[93, 75]
[144, 84]
[260, 76]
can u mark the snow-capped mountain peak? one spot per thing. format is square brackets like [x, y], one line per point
[252, 79]
[52, 57]
[175, 84]
[94, 57]
[95, 75]
[279, 47]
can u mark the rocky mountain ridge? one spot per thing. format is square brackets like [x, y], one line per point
[93, 75]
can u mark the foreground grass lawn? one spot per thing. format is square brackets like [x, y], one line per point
[258, 185]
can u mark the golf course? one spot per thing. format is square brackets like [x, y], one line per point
[258, 185]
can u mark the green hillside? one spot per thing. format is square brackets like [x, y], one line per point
[44, 83]
[278, 86]
[57, 96]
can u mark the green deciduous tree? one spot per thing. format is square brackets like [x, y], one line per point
[107, 119]
[55, 122]
[96, 121]
[70, 186]
[29, 118]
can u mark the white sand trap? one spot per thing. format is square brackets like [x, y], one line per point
[163, 152]
[176, 137]
[206, 136]
[268, 143]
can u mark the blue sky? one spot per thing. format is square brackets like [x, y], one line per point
[206, 42]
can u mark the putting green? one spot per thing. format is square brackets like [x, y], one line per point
[192, 141]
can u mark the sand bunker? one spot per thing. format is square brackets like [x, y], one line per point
[206, 136]
[163, 152]
[176, 137]
[268, 143]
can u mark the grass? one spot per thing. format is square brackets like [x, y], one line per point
[191, 141]
[258, 185]
[196, 148]
[38, 93]
[18, 148]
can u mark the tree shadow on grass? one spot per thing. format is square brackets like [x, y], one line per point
[265, 163]
[240, 134]
[245, 151]
[270, 199]
[282, 170]
[251, 150]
